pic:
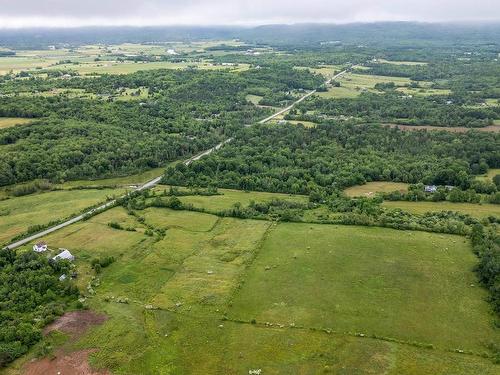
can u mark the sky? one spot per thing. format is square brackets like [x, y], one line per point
[73, 13]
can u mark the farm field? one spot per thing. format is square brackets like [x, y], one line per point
[112, 67]
[229, 197]
[489, 176]
[383, 61]
[384, 284]
[19, 213]
[307, 124]
[191, 297]
[353, 84]
[7, 122]
[33, 60]
[475, 210]
[370, 188]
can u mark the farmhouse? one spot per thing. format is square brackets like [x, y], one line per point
[64, 254]
[40, 247]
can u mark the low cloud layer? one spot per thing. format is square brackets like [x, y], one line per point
[21, 13]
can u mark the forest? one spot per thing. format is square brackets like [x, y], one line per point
[74, 138]
[31, 296]
[294, 159]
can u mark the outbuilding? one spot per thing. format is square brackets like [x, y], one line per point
[65, 254]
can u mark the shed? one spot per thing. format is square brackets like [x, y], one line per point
[65, 254]
[430, 188]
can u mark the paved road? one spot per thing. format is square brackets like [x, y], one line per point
[147, 185]
[154, 182]
[267, 119]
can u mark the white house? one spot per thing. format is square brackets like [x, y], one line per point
[40, 247]
[65, 254]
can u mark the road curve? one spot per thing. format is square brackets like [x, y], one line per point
[155, 181]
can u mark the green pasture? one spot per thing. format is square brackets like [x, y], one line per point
[412, 286]
[8, 122]
[19, 213]
[184, 303]
[228, 198]
[475, 210]
[370, 188]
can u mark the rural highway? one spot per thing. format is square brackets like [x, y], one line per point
[267, 119]
[147, 185]
[155, 181]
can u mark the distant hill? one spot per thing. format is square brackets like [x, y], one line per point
[393, 33]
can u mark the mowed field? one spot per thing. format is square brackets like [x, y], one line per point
[353, 84]
[8, 122]
[17, 214]
[229, 197]
[370, 188]
[476, 210]
[226, 296]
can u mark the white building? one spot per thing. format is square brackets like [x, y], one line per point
[65, 254]
[40, 247]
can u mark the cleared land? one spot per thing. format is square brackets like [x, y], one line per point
[475, 210]
[229, 197]
[346, 280]
[7, 122]
[368, 280]
[489, 176]
[401, 62]
[353, 84]
[17, 214]
[370, 188]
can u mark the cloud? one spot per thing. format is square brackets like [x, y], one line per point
[19, 13]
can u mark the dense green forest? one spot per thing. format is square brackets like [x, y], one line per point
[294, 159]
[188, 111]
[395, 108]
[31, 296]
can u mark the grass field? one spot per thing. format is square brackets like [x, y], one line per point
[84, 56]
[230, 197]
[111, 67]
[475, 210]
[370, 188]
[489, 176]
[383, 61]
[19, 213]
[132, 180]
[7, 122]
[331, 282]
[368, 280]
[353, 84]
[254, 99]
[307, 124]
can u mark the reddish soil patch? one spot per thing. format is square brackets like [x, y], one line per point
[75, 363]
[75, 323]
[457, 129]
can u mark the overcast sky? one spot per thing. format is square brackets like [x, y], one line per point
[21, 13]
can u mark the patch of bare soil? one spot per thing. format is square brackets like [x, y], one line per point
[75, 363]
[75, 324]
